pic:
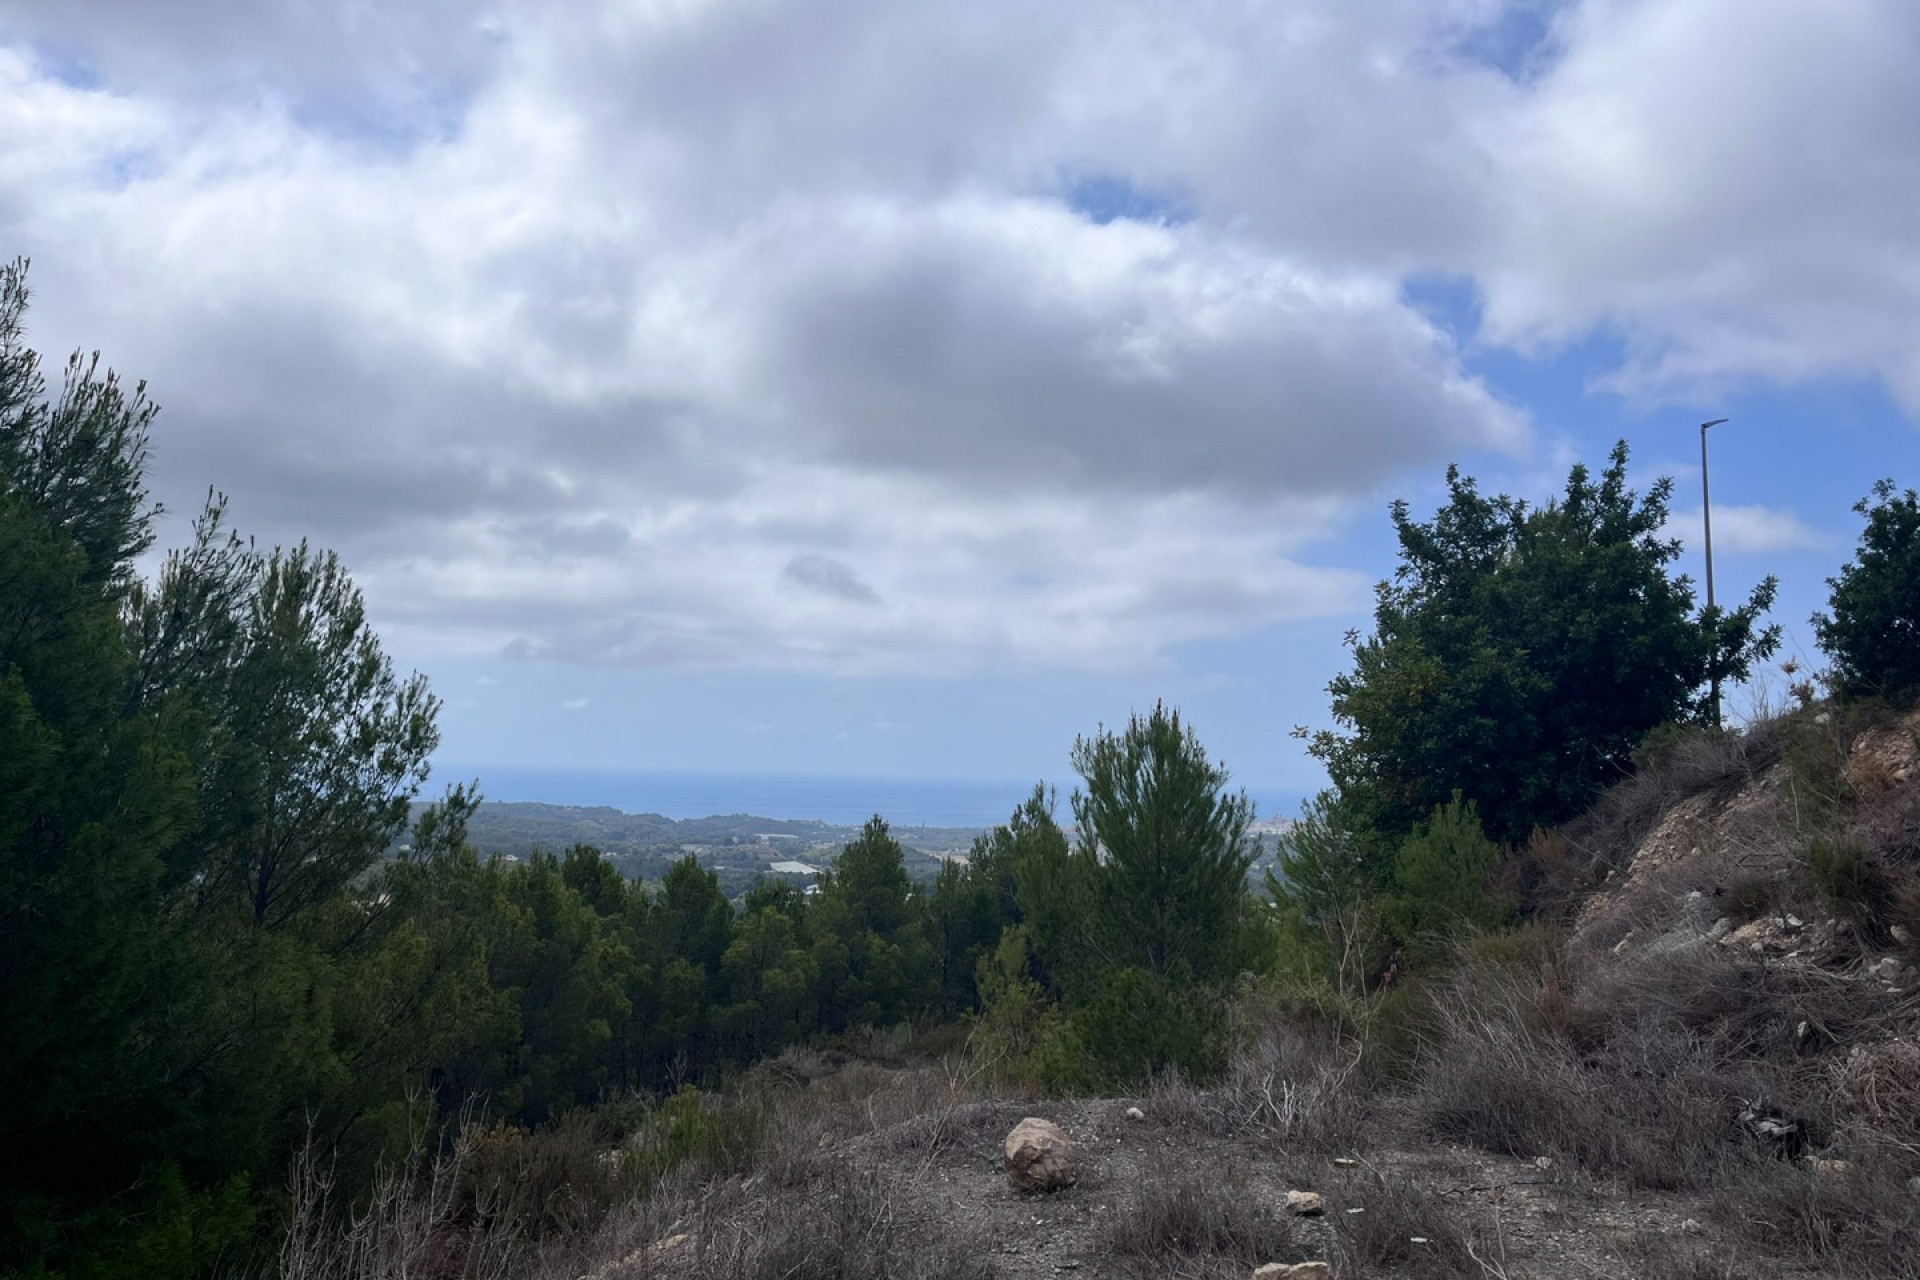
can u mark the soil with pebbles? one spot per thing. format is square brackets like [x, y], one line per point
[1519, 1218]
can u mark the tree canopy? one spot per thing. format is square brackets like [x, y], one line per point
[1519, 654]
[1873, 633]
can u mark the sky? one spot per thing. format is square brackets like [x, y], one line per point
[868, 387]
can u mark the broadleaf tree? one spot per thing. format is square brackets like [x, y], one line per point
[1520, 653]
[1873, 633]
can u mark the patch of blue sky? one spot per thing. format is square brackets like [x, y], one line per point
[62, 66]
[1518, 42]
[387, 125]
[126, 168]
[1105, 197]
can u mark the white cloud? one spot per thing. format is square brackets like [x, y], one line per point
[768, 334]
[1728, 184]
[1754, 529]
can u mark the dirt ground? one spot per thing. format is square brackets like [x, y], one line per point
[1515, 1217]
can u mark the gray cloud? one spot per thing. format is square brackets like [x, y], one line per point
[828, 577]
[590, 334]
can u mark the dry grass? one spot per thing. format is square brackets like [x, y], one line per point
[1196, 1223]
[845, 1224]
[1864, 1223]
[1295, 1082]
[1406, 1227]
[1671, 766]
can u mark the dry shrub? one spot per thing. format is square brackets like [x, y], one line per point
[881, 1046]
[1641, 1067]
[839, 1224]
[416, 1223]
[1546, 870]
[554, 1181]
[1672, 763]
[1863, 1224]
[1747, 898]
[1290, 1078]
[1652, 1257]
[946, 1127]
[852, 1099]
[1883, 1082]
[1405, 1226]
[1640, 1074]
[1170, 1216]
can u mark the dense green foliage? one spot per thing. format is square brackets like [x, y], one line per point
[1519, 653]
[205, 960]
[191, 776]
[1139, 926]
[1873, 633]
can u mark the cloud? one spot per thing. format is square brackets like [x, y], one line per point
[576, 704]
[620, 334]
[1749, 529]
[828, 577]
[968, 585]
[1725, 184]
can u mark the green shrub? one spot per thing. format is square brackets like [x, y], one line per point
[171, 1230]
[1441, 877]
[1017, 1024]
[1136, 1027]
[689, 1131]
[1849, 879]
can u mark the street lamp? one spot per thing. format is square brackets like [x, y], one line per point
[1706, 517]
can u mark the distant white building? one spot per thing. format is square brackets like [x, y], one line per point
[794, 869]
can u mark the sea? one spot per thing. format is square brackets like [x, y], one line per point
[839, 800]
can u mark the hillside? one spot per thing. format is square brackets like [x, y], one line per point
[738, 848]
[1701, 1059]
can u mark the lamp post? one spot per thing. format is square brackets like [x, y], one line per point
[1706, 518]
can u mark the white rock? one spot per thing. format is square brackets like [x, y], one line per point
[1135, 1113]
[1305, 1204]
[1039, 1156]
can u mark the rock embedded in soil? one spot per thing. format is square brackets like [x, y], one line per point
[1305, 1204]
[1040, 1156]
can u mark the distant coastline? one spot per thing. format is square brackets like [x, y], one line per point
[838, 800]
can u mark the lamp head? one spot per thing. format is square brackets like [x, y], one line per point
[1716, 422]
